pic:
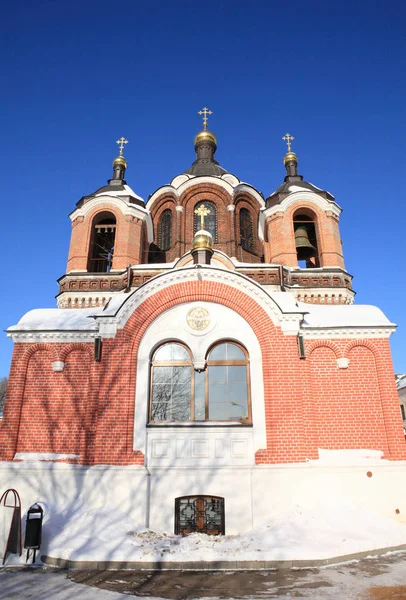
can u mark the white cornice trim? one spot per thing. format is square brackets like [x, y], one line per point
[127, 209]
[347, 332]
[41, 337]
[297, 197]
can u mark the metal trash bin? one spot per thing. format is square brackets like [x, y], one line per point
[33, 529]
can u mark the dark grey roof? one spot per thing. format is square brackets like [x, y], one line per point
[206, 167]
[284, 190]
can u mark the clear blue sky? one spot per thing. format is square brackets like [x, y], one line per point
[78, 75]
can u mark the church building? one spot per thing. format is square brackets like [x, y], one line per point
[206, 366]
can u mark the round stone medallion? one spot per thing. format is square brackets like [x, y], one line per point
[198, 318]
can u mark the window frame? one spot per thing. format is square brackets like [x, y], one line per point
[248, 222]
[199, 498]
[226, 362]
[196, 219]
[171, 363]
[161, 237]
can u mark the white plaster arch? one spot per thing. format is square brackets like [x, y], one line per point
[124, 207]
[281, 307]
[195, 181]
[298, 197]
[226, 324]
[250, 191]
[184, 184]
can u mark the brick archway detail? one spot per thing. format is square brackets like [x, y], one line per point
[367, 344]
[324, 344]
[75, 346]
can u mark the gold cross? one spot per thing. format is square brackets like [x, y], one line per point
[121, 143]
[205, 111]
[288, 138]
[202, 211]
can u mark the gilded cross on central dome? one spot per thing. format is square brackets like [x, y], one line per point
[202, 212]
[205, 111]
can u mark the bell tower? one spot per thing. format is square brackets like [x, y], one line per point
[111, 229]
[302, 234]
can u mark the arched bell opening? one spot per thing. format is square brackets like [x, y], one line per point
[306, 243]
[102, 240]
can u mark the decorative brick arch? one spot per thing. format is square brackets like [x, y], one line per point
[66, 350]
[15, 394]
[310, 347]
[367, 344]
[32, 349]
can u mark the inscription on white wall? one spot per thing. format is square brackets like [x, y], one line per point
[209, 446]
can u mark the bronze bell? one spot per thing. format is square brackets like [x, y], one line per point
[304, 248]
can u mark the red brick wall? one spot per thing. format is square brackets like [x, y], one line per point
[309, 403]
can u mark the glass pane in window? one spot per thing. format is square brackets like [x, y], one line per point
[172, 352]
[199, 396]
[182, 376]
[237, 374]
[163, 353]
[237, 392]
[218, 353]
[179, 352]
[217, 374]
[238, 410]
[162, 374]
[217, 392]
[218, 411]
[180, 403]
[161, 402]
[234, 352]
[161, 392]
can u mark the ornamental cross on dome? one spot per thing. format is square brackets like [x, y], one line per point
[202, 211]
[121, 143]
[205, 111]
[288, 138]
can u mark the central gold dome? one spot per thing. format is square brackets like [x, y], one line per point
[205, 136]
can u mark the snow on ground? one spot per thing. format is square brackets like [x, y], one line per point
[303, 534]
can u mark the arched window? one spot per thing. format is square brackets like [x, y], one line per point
[306, 240]
[171, 389]
[227, 383]
[102, 239]
[210, 220]
[246, 235]
[165, 230]
[219, 393]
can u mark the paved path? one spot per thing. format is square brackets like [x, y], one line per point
[381, 578]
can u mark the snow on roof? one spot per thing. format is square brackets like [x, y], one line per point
[42, 319]
[126, 192]
[298, 188]
[361, 315]
[401, 381]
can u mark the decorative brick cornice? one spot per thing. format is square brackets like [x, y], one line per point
[347, 332]
[42, 337]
